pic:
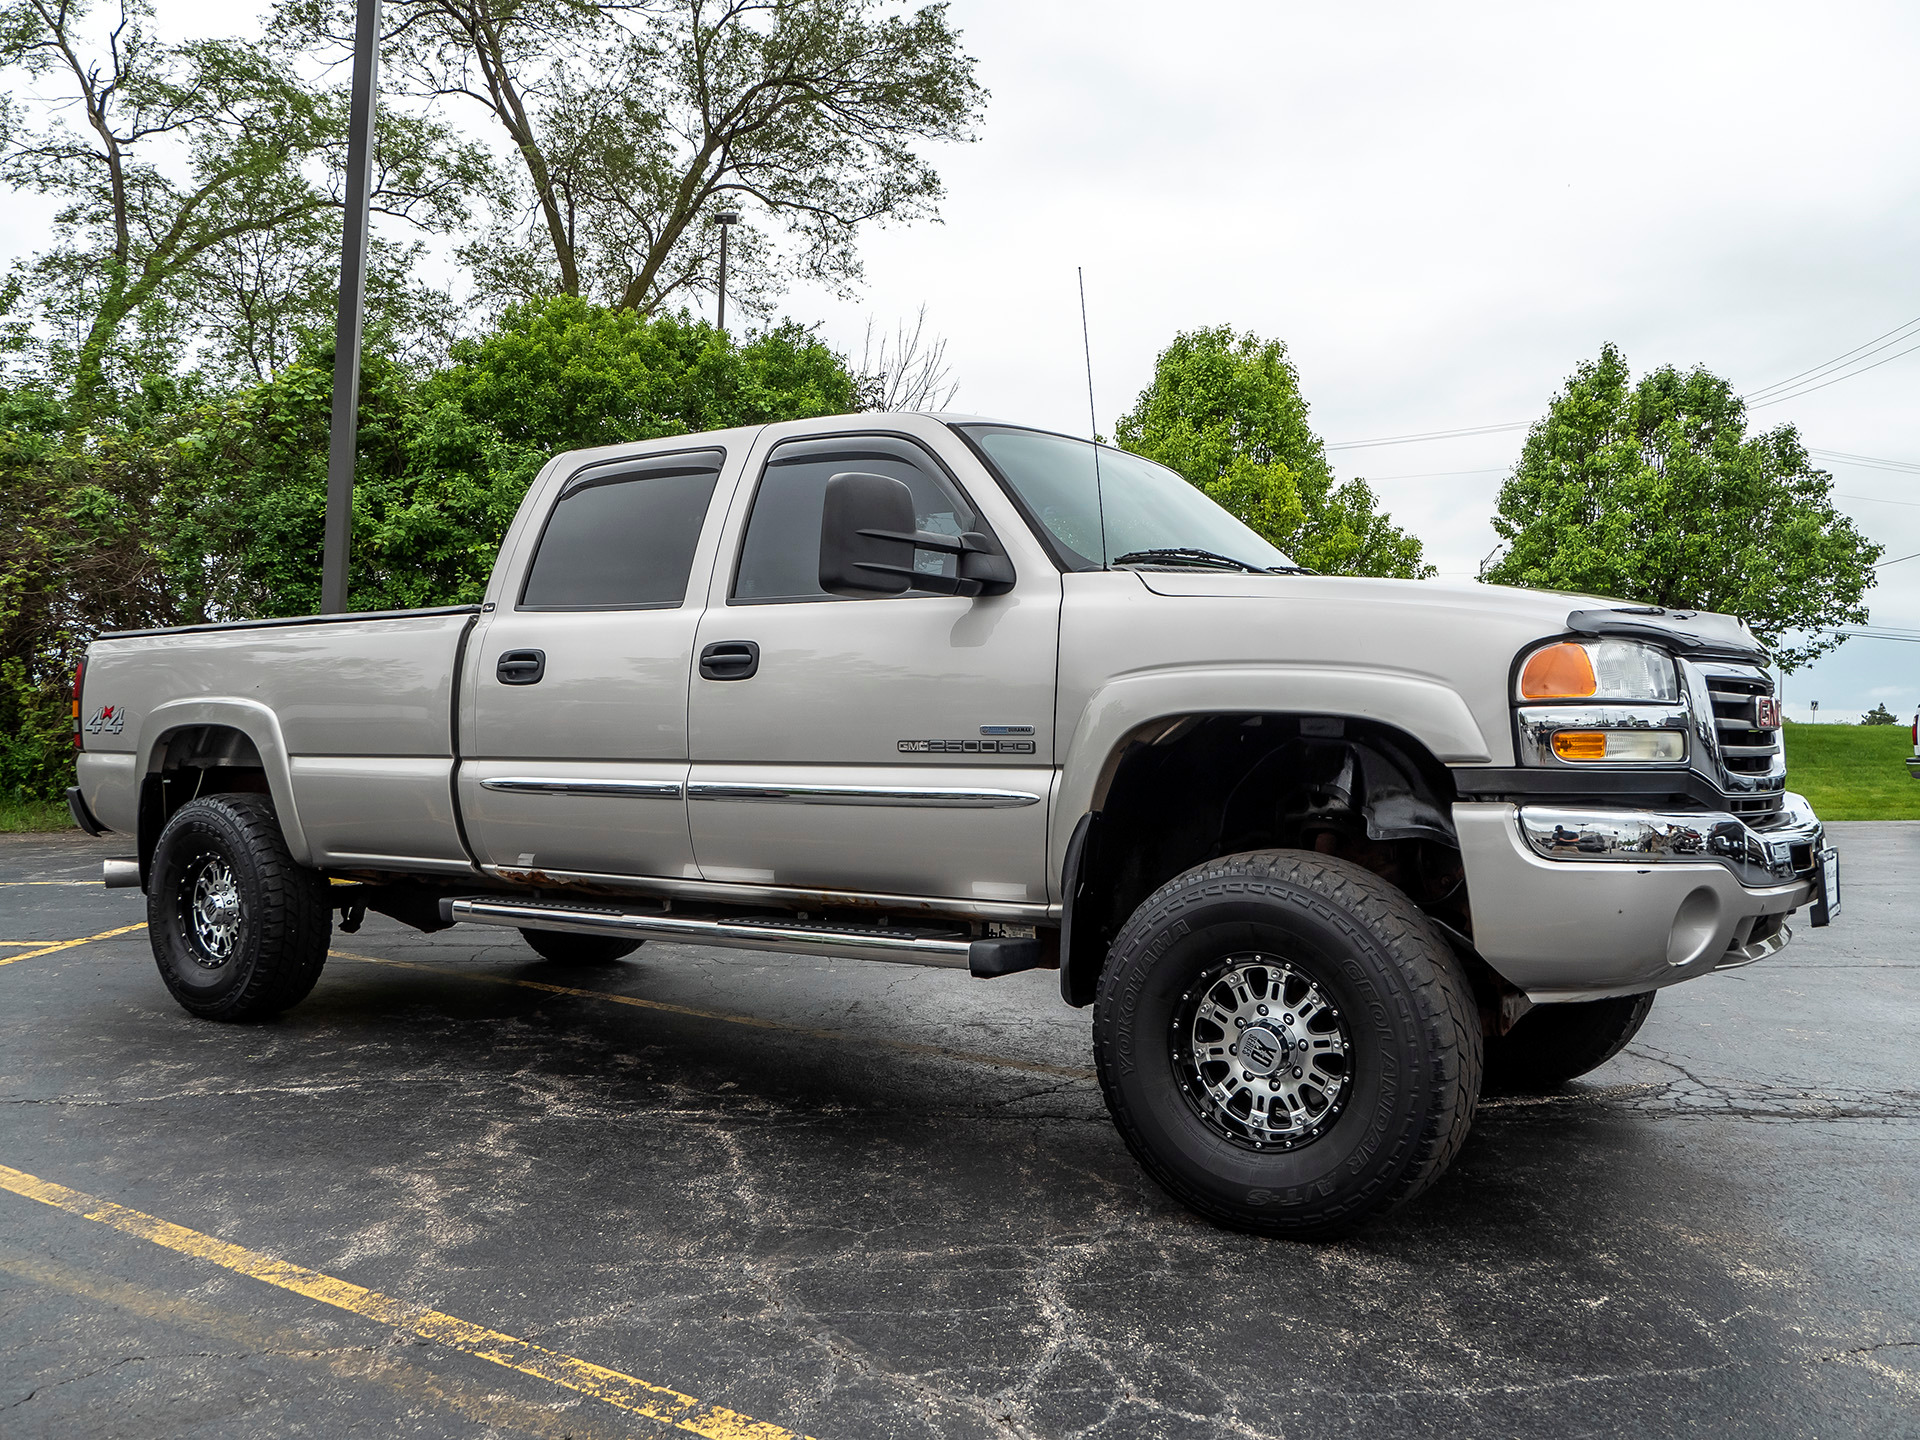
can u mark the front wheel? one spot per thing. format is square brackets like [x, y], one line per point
[238, 930]
[1552, 1044]
[1286, 1044]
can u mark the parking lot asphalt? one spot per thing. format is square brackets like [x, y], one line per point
[462, 1191]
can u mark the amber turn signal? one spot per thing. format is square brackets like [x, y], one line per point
[1643, 745]
[1580, 744]
[1559, 672]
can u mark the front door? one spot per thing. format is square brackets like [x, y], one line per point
[899, 746]
[577, 757]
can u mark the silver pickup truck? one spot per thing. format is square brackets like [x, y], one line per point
[1320, 852]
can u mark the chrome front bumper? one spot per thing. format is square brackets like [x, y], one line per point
[1785, 845]
[1579, 903]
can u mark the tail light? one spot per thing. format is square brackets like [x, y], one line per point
[79, 677]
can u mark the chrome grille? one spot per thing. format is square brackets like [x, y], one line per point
[1748, 762]
[1744, 747]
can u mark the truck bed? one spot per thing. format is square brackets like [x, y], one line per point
[352, 718]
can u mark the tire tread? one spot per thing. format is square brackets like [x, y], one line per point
[1438, 989]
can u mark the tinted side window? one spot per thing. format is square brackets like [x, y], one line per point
[622, 537]
[780, 558]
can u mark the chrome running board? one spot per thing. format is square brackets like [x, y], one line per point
[983, 958]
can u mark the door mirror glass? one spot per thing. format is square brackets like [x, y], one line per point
[865, 525]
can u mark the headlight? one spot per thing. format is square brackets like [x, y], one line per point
[1601, 702]
[1599, 670]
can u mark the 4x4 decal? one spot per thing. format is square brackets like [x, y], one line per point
[111, 719]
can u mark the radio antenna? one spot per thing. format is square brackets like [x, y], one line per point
[1093, 418]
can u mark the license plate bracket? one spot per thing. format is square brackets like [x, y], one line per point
[1826, 887]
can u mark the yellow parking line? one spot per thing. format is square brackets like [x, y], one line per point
[392, 1370]
[625, 1392]
[911, 1047]
[48, 882]
[69, 944]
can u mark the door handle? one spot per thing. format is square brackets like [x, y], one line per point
[521, 667]
[730, 660]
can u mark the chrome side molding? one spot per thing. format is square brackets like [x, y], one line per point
[938, 797]
[541, 785]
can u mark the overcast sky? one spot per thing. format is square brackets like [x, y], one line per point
[1441, 211]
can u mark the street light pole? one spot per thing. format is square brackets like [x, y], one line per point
[343, 438]
[727, 219]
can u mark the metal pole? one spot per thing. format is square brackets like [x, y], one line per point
[343, 440]
[724, 227]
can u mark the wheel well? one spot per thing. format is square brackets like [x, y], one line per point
[190, 762]
[1186, 790]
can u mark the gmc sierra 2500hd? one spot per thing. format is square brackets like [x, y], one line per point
[1319, 851]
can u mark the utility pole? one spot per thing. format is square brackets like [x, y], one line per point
[727, 219]
[343, 439]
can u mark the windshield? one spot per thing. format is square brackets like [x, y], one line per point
[1147, 507]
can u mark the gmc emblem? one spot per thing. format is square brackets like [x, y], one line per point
[1766, 712]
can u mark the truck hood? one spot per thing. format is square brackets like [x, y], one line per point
[1697, 634]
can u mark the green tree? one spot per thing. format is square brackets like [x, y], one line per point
[445, 462]
[1225, 411]
[77, 556]
[1879, 715]
[168, 160]
[633, 124]
[188, 506]
[1655, 492]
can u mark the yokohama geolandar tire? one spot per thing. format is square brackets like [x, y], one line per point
[567, 948]
[1552, 1044]
[238, 930]
[1286, 1044]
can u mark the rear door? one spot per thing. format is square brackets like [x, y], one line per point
[577, 753]
[900, 746]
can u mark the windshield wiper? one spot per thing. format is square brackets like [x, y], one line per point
[1189, 555]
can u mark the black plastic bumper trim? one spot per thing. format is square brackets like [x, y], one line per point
[82, 816]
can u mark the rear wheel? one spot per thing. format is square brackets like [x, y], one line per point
[571, 949]
[238, 930]
[1286, 1044]
[1552, 1044]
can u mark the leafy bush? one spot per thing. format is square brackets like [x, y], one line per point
[189, 507]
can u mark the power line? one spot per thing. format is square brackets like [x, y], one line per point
[1435, 474]
[1872, 462]
[1884, 563]
[1874, 635]
[1848, 375]
[1429, 435]
[1755, 399]
[1891, 337]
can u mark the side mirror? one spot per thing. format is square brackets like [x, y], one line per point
[868, 536]
[865, 530]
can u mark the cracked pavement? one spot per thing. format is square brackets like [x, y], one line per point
[843, 1220]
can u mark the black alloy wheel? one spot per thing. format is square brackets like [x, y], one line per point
[1286, 1044]
[238, 930]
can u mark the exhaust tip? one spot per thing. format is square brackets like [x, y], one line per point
[121, 874]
